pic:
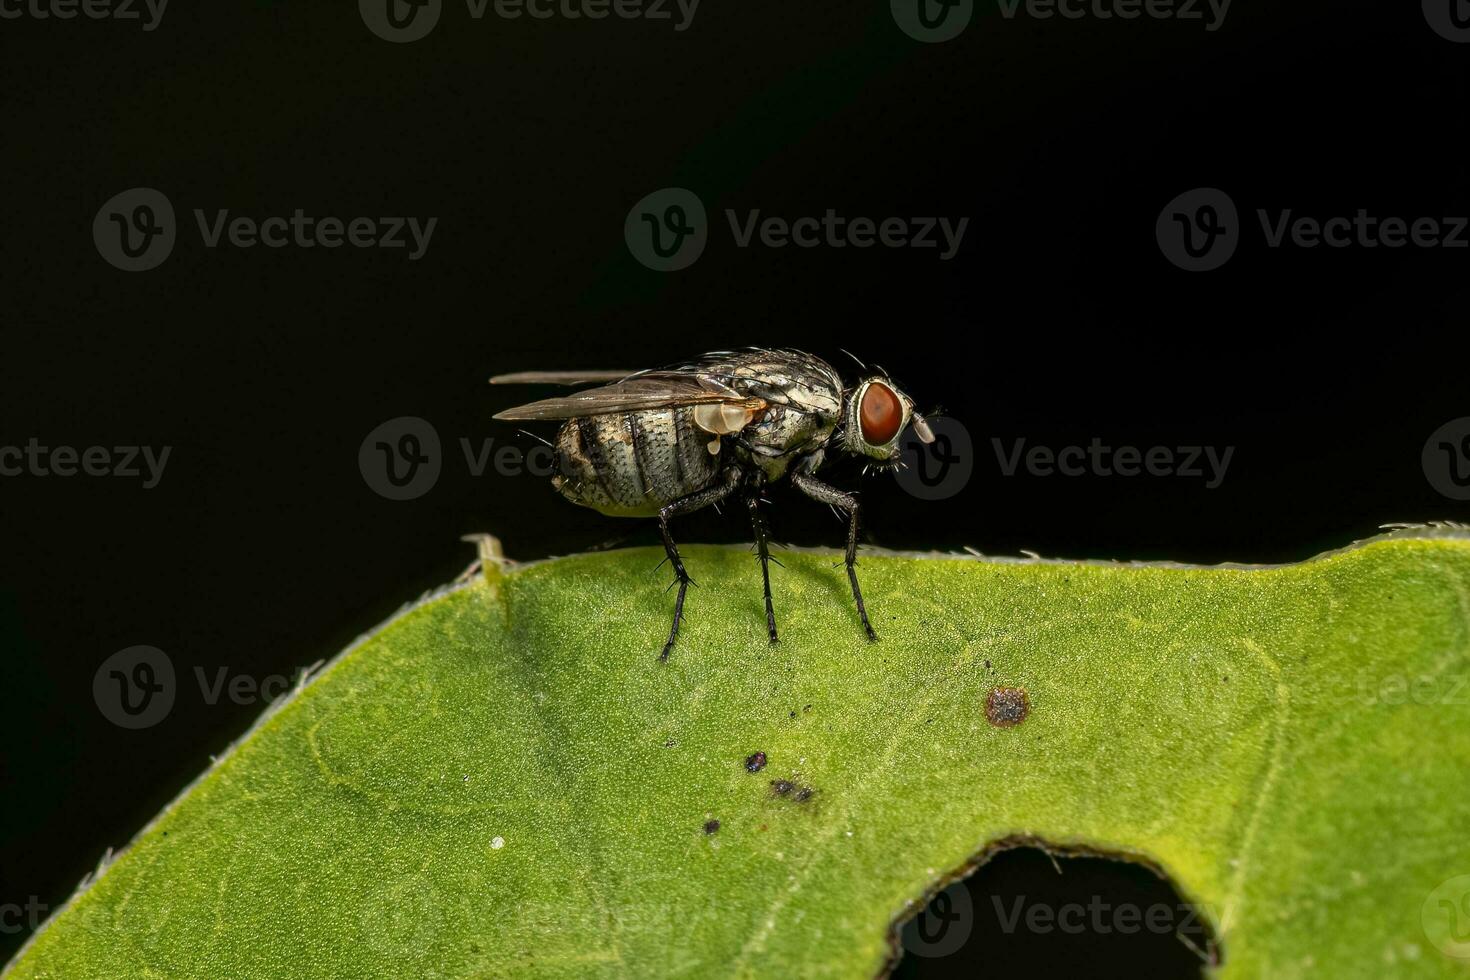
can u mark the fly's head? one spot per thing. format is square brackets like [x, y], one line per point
[875, 416]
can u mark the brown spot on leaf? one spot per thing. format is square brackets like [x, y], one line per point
[1007, 707]
[791, 790]
[755, 762]
[710, 826]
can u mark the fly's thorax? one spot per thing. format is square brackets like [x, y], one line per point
[632, 464]
[782, 436]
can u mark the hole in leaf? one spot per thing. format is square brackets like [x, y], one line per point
[1015, 915]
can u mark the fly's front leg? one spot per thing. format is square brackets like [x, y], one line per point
[763, 552]
[686, 505]
[826, 494]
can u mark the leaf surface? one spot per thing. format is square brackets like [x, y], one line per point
[503, 779]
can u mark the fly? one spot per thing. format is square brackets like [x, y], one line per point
[671, 441]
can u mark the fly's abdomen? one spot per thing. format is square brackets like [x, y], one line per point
[633, 464]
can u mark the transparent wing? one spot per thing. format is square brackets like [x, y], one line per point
[557, 377]
[649, 390]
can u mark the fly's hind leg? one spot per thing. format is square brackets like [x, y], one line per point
[763, 552]
[826, 494]
[687, 505]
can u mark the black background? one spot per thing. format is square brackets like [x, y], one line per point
[263, 549]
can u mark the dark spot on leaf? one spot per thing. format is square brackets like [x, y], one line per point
[1006, 707]
[795, 791]
[755, 762]
[710, 826]
[807, 708]
[792, 715]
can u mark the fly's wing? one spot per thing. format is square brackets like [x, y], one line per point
[558, 377]
[642, 392]
[779, 377]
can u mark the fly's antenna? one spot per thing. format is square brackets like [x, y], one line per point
[533, 435]
[857, 359]
[880, 370]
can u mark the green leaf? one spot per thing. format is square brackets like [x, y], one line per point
[503, 779]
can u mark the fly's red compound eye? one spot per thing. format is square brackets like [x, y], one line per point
[880, 414]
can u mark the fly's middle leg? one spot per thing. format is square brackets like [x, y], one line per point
[823, 493]
[686, 505]
[763, 552]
